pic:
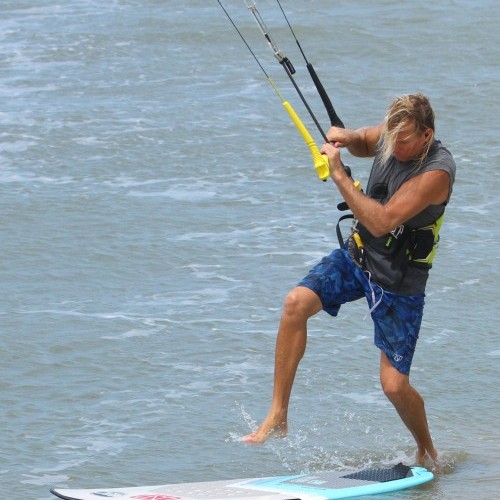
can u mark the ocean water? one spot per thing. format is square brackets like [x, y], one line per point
[156, 206]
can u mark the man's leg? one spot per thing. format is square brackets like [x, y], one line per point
[410, 406]
[300, 304]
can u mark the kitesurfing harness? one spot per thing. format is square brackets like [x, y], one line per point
[387, 258]
[419, 246]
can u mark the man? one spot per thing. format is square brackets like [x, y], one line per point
[386, 258]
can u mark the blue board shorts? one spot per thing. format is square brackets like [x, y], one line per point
[397, 318]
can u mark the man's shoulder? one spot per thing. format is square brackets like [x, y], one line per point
[440, 158]
[440, 150]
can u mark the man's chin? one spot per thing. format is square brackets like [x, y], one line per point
[402, 158]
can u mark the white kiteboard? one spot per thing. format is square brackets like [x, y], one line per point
[313, 486]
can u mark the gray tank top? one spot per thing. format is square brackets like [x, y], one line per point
[385, 179]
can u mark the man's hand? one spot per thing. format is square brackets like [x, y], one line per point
[333, 154]
[339, 137]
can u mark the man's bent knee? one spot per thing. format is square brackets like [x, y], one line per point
[301, 302]
[394, 390]
[394, 384]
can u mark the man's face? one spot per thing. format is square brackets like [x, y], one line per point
[409, 143]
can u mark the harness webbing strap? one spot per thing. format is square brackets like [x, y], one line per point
[339, 232]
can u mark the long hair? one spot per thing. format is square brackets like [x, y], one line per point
[405, 109]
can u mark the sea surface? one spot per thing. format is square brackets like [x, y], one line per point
[157, 204]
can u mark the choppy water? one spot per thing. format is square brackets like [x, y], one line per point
[157, 205]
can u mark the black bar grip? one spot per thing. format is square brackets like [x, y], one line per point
[334, 119]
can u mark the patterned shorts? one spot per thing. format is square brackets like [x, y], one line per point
[397, 318]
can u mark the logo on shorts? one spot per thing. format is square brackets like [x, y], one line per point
[397, 357]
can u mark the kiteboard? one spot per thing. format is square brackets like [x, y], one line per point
[324, 485]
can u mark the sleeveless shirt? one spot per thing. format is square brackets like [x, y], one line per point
[391, 269]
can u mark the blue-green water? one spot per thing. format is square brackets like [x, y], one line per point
[156, 206]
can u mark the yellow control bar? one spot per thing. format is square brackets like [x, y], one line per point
[321, 163]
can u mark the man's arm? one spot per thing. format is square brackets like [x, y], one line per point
[361, 142]
[416, 194]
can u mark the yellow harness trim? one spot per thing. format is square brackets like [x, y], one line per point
[434, 229]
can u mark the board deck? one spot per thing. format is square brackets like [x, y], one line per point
[324, 485]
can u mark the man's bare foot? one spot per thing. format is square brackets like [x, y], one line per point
[268, 429]
[429, 462]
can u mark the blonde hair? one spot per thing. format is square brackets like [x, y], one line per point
[406, 109]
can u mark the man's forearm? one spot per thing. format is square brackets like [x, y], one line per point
[361, 142]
